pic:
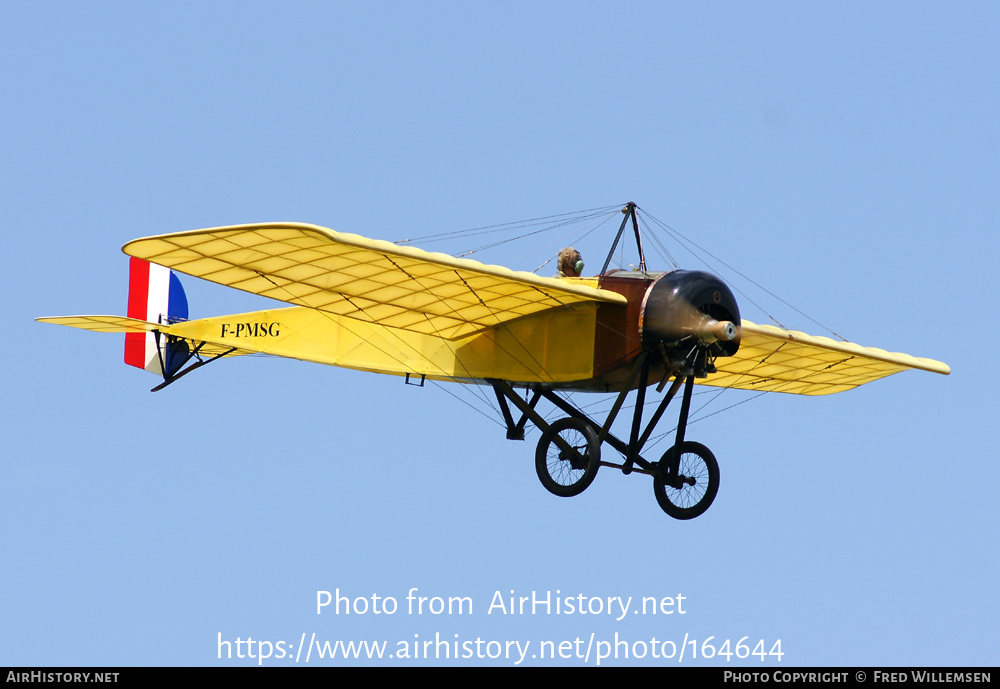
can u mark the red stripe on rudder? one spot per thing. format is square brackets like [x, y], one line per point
[138, 288]
[138, 297]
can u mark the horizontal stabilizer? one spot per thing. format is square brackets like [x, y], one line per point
[106, 324]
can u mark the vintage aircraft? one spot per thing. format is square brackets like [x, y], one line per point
[376, 306]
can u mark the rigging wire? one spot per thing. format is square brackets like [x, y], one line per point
[529, 234]
[572, 216]
[657, 439]
[578, 237]
[677, 236]
[471, 406]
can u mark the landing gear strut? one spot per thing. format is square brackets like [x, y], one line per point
[686, 477]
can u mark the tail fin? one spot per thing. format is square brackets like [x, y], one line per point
[155, 294]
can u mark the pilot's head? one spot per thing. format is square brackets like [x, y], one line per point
[570, 263]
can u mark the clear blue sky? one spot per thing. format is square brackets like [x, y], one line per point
[843, 155]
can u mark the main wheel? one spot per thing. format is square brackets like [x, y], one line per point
[687, 487]
[567, 471]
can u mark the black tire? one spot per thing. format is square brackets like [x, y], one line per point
[690, 491]
[568, 473]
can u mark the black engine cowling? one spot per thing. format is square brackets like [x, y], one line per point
[686, 304]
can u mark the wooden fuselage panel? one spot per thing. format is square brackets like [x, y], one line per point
[616, 340]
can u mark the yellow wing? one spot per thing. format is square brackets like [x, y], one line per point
[779, 360]
[365, 279]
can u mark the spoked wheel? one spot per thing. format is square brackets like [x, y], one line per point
[567, 470]
[686, 488]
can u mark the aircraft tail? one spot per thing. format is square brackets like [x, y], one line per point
[155, 295]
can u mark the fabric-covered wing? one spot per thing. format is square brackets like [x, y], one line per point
[370, 280]
[779, 360]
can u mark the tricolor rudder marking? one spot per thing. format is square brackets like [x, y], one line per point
[154, 294]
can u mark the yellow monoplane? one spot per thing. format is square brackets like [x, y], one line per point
[376, 306]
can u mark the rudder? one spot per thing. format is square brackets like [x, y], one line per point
[154, 294]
